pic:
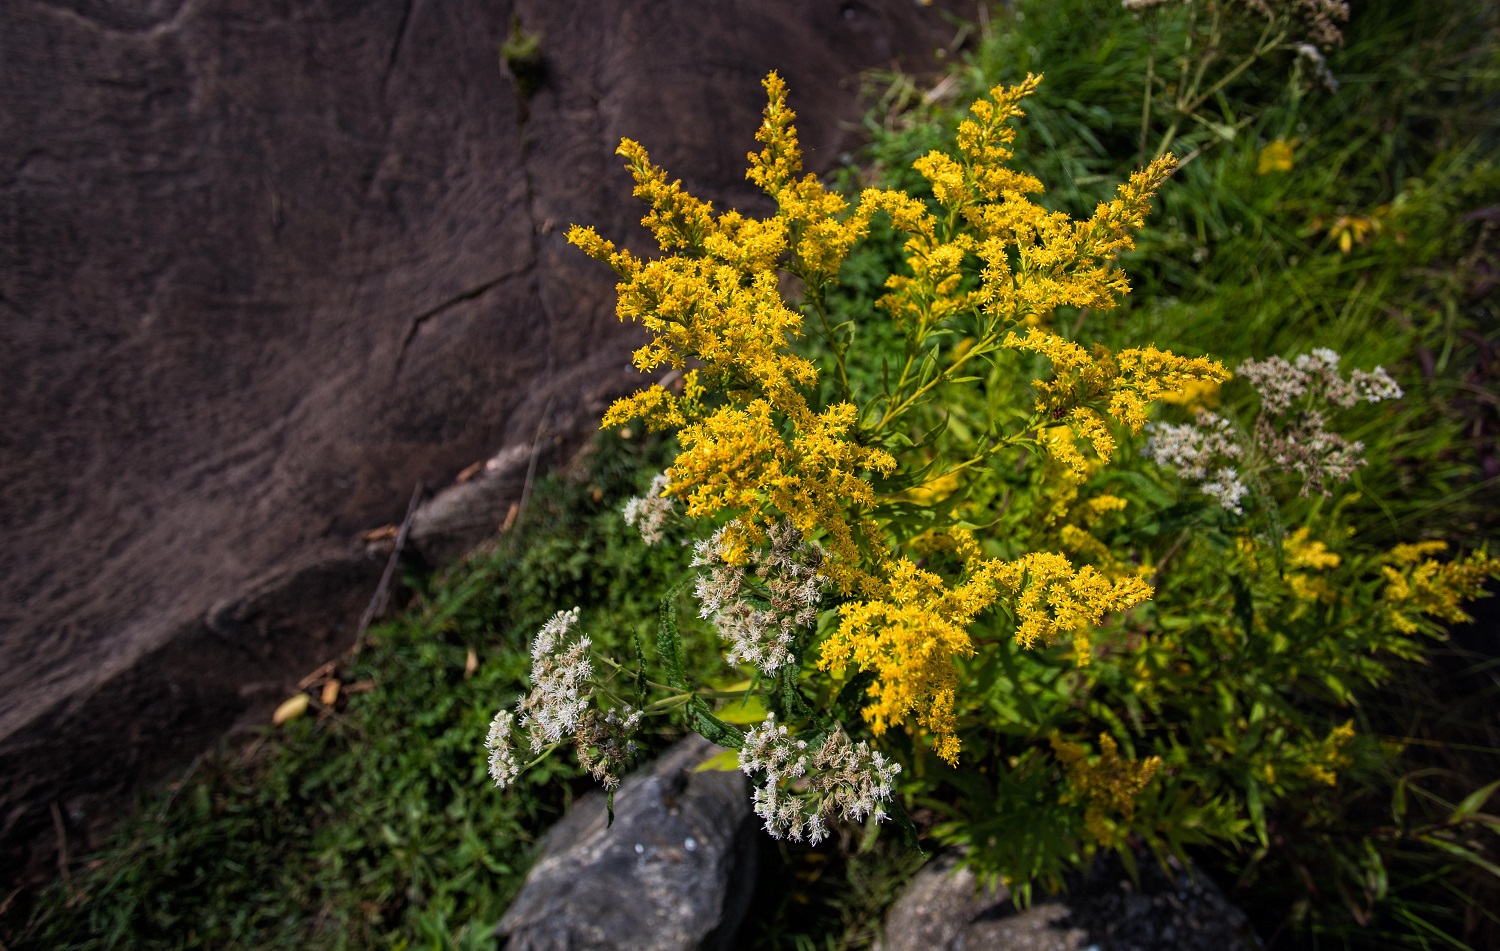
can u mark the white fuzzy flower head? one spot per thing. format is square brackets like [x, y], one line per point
[1197, 452]
[604, 743]
[855, 780]
[503, 765]
[842, 778]
[1226, 488]
[760, 617]
[648, 514]
[561, 678]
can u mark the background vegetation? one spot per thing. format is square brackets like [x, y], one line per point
[373, 824]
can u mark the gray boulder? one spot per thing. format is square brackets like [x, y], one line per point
[674, 872]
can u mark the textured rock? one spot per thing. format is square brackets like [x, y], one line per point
[673, 873]
[267, 266]
[942, 909]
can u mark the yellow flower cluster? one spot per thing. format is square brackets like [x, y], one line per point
[1108, 785]
[1327, 757]
[1122, 383]
[716, 305]
[1305, 556]
[753, 447]
[1053, 598]
[1417, 584]
[737, 460]
[910, 639]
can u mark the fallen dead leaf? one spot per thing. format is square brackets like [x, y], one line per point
[291, 709]
[468, 473]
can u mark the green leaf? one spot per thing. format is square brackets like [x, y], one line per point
[749, 710]
[1257, 809]
[1474, 800]
[669, 640]
[711, 728]
[727, 761]
[1459, 851]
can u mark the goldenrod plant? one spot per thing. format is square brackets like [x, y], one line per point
[939, 551]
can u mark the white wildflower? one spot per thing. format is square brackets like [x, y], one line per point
[1226, 488]
[841, 778]
[560, 678]
[1375, 385]
[503, 765]
[604, 743]
[854, 779]
[1198, 452]
[1312, 58]
[1292, 431]
[760, 620]
[648, 514]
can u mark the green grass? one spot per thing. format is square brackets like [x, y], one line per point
[376, 825]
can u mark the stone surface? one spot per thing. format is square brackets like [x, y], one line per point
[674, 872]
[268, 265]
[942, 909]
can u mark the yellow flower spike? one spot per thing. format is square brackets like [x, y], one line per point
[677, 219]
[946, 178]
[1054, 599]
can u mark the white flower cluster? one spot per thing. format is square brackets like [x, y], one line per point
[559, 679]
[1197, 452]
[1292, 431]
[648, 514]
[558, 707]
[841, 778]
[1312, 59]
[854, 779]
[1315, 377]
[1290, 434]
[760, 619]
[503, 766]
[604, 744]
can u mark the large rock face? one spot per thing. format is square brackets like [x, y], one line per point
[265, 266]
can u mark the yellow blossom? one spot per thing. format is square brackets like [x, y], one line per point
[1275, 157]
[1416, 584]
[1107, 785]
[1054, 599]
[910, 640]
[1328, 757]
[1123, 382]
